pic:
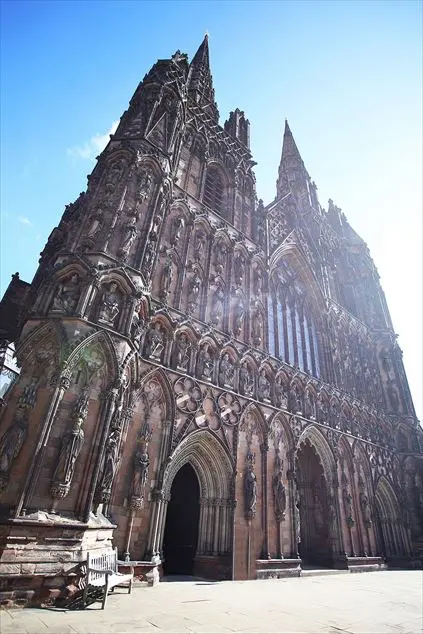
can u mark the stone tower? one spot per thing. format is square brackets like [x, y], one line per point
[204, 380]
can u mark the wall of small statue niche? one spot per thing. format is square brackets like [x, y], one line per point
[112, 303]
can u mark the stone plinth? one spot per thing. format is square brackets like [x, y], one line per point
[278, 568]
[42, 556]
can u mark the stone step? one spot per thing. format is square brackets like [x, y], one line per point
[322, 571]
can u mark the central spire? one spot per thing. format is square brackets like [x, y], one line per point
[200, 84]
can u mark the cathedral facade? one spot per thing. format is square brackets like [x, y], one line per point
[205, 382]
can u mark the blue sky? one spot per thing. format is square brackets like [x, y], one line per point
[347, 75]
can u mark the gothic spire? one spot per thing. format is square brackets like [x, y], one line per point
[293, 175]
[200, 84]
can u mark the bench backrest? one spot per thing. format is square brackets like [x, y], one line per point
[102, 560]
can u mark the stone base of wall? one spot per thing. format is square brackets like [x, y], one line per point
[42, 556]
[145, 572]
[277, 568]
[214, 567]
[366, 564]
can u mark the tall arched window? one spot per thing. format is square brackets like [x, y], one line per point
[214, 190]
[292, 330]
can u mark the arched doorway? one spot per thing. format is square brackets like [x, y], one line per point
[314, 547]
[391, 534]
[181, 527]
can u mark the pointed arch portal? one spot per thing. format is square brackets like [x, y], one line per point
[181, 527]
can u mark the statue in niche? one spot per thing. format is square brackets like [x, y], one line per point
[194, 288]
[166, 278]
[263, 386]
[365, 509]
[140, 470]
[109, 468]
[296, 399]
[67, 295]
[393, 398]
[206, 364]
[297, 518]
[246, 380]
[182, 349]
[70, 449]
[199, 246]
[217, 305]
[257, 327]
[220, 256]
[281, 395]
[13, 439]
[279, 492]
[309, 405]
[177, 230]
[148, 257]
[258, 282]
[239, 268]
[347, 498]
[226, 371]
[319, 517]
[110, 304]
[137, 325]
[95, 225]
[114, 175]
[250, 491]
[154, 342]
[239, 312]
[145, 181]
[129, 234]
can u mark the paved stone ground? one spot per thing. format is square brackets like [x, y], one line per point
[379, 602]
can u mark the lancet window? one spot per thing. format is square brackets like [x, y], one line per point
[292, 328]
[214, 190]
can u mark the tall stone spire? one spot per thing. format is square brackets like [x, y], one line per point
[200, 83]
[293, 176]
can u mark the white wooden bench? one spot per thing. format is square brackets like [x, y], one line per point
[102, 571]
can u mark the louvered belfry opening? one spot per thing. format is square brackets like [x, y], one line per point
[214, 190]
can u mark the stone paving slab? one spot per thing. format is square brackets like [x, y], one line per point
[372, 602]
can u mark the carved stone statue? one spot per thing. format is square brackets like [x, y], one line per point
[263, 386]
[137, 325]
[246, 381]
[280, 395]
[177, 230]
[239, 268]
[148, 257]
[206, 364]
[154, 342]
[226, 371]
[239, 312]
[199, 246]
[166, 278]
[257, 327]
[11, 444]
[309, 405]
[365, 509]
[182, 351]
[220, 256]
[250, 491]
[217, 305]
[110, 304]
[67, 295]
[279, 496]
[95, 225]
[145, 181]
[347, 498]
[109, 468]
[140, 471]
[194, 288]
[69, 451]
[296, 399]
[129, 234]
[258, 282]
